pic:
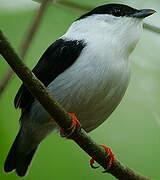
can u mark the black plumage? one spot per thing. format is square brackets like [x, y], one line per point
[55, 60]
[113, 9]
[18, 160]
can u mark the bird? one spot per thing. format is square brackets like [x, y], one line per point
[87, 70]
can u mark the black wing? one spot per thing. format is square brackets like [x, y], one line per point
[55, 60]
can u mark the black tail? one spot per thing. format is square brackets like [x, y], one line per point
[16, 160]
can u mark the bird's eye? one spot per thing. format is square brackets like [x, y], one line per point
[116, 12]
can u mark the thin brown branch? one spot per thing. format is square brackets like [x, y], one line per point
[26, 43]
[33, 28]
[151, 28]
[5, 80]
[74, 6]
[61, 117]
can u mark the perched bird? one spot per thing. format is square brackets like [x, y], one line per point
[87, 70]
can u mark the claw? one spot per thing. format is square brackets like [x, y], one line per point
[92, 164]
[109, 158]
[75, 124]
[110, 155]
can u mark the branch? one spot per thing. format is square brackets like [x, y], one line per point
[151, 28]
[39, 91]
[26, 43]
[74, 5]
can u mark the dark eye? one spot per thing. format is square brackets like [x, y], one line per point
[116, 12]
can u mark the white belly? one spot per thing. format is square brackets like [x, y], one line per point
[92, 95]
[91, 89]
[92, 98]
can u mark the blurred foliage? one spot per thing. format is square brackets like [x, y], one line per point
[133, 129]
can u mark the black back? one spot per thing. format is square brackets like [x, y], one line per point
[56, 59]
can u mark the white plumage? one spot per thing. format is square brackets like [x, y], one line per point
[95, 84]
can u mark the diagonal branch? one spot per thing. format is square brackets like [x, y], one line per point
[26, 43]
[61, 117]
[74, 5]
[151, 28]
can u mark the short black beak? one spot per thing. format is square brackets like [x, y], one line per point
[143, 13]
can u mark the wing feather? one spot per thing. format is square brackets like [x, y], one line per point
[55, 60]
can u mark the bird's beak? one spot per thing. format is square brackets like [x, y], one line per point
[144, 13]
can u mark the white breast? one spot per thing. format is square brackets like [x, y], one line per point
[93, 86]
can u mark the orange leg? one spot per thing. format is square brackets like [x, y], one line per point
[74, 125]
[108, 153]
[50, 119]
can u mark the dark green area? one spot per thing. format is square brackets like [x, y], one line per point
[133, 130]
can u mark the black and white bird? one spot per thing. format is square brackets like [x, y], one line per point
[87, 70]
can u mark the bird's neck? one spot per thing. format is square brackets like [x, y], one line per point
[116, 42]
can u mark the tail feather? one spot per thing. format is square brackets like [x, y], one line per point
[16, 160]
[24, 163]
[11, 160]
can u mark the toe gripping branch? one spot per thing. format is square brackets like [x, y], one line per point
[109, 157]
[74, 125]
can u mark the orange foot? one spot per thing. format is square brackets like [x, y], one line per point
[109, 156]
[74, 125]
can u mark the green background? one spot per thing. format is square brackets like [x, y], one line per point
[132, 131]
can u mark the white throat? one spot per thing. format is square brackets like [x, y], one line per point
[119, 34]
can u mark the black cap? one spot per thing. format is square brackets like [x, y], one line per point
[119, 10]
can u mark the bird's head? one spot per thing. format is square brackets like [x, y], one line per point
[115, 23]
